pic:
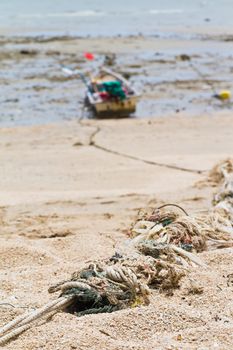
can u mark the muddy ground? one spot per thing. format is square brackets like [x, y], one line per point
[172, 75]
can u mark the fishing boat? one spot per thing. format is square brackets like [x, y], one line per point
[110, 95]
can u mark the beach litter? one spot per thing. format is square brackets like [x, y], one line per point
[108, 94]
[163, 247]
[223, 95]
[110, 59]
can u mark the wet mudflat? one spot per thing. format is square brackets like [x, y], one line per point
[172, 75]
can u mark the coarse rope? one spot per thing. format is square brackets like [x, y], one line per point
[161, 251]
[173, 205]
[24, 322]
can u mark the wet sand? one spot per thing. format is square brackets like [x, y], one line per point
[70, 191]
[173, 75]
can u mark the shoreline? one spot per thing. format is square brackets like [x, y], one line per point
[173, 76]
[202, 34]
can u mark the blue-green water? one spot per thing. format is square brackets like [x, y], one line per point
[108, 17]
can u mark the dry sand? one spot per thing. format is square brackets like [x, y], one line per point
[68, 198]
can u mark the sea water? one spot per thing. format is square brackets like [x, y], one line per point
[111, 18]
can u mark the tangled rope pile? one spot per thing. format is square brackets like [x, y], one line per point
[161, 251]
[196, 233]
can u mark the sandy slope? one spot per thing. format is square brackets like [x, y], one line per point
[67, 198]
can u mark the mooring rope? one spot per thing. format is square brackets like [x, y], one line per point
[162, 251]
[24, 322]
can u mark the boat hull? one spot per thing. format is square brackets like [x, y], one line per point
[121, 108]
[111, 106]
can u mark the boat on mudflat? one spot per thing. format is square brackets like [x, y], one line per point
[110, 95]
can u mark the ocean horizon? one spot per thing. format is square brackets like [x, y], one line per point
[105, 18]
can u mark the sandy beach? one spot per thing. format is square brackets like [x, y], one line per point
[69, 193]
[72, 185]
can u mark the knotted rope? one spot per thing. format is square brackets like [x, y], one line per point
[162, 250]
